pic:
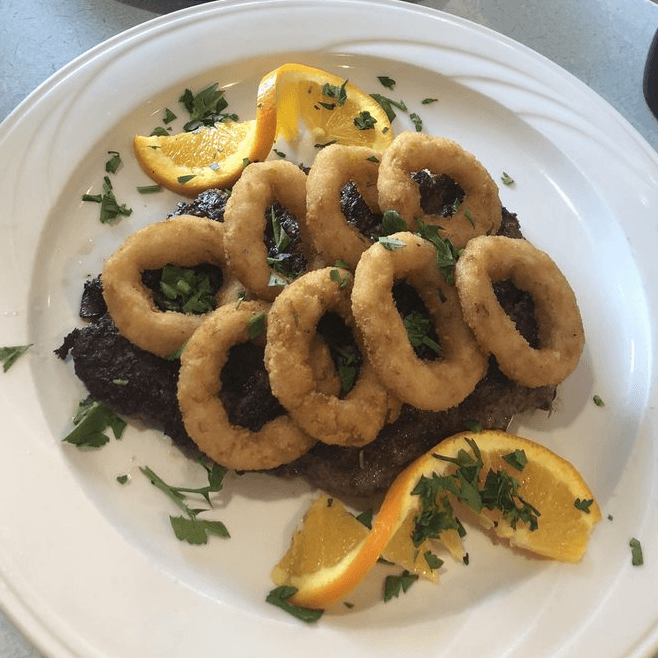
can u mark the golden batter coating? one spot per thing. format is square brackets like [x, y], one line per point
[480, 212]
[356, 418]
[279, 441]
[433, 385]
[183, 241]
[561, 336]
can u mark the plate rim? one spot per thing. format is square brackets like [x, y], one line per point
[165, 22]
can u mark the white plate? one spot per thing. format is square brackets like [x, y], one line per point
[89, 567]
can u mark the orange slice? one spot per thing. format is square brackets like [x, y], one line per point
[547, 482]
[332, 108]
[328, 556]
[191, 162]
[215, 156]
[332, 552]
[421, 559]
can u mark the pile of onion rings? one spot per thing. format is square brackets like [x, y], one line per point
[465, 315]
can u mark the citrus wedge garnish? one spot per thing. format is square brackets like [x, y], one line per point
[328, 556]
[333, 109]
[523, 491]
[208, 157]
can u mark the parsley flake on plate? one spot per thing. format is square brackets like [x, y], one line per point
[387, 104]
[91, 423]
[113, 163]
[10, 354]
[637, 559]
[393, 585]
[280, 596]
[387, 82]
[190, 528]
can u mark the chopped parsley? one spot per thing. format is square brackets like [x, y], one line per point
[583, 504]
[446, 254]
[393, 585]
[499, 491]
[186, 291]
[91, 422]
[387, 82]
[429, 101]
[506, 179]
[433, 561]
[436, 513]
[280, 596]
[256, 324]
[339, 94]
[598, 401]
[176, 355]
[417, 121]
[365, 518]
[637, 559]
[392, 244]
[110, 208]
[365, 121]
[149, 189]
[418, 327]
[190, 528]
[346, 370]
[113, 163]
[168, 116]
[280, 237]
[342, 281]
[279, 258]
[393, 222]
[205, 108]
[10, 354]
[387, 104]
[516, 459]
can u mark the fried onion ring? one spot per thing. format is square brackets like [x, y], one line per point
[183, 241]
[488, 259]
[279, 441]
[432, 385]
[480, 210]
[354, 420]
[334, 167]
[261, 184]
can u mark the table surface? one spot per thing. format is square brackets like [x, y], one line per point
[604, 43]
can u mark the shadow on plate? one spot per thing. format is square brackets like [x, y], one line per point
[167, 6]
[163, 6]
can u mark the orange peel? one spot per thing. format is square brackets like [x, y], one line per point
[567, 514]
[215, 156]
